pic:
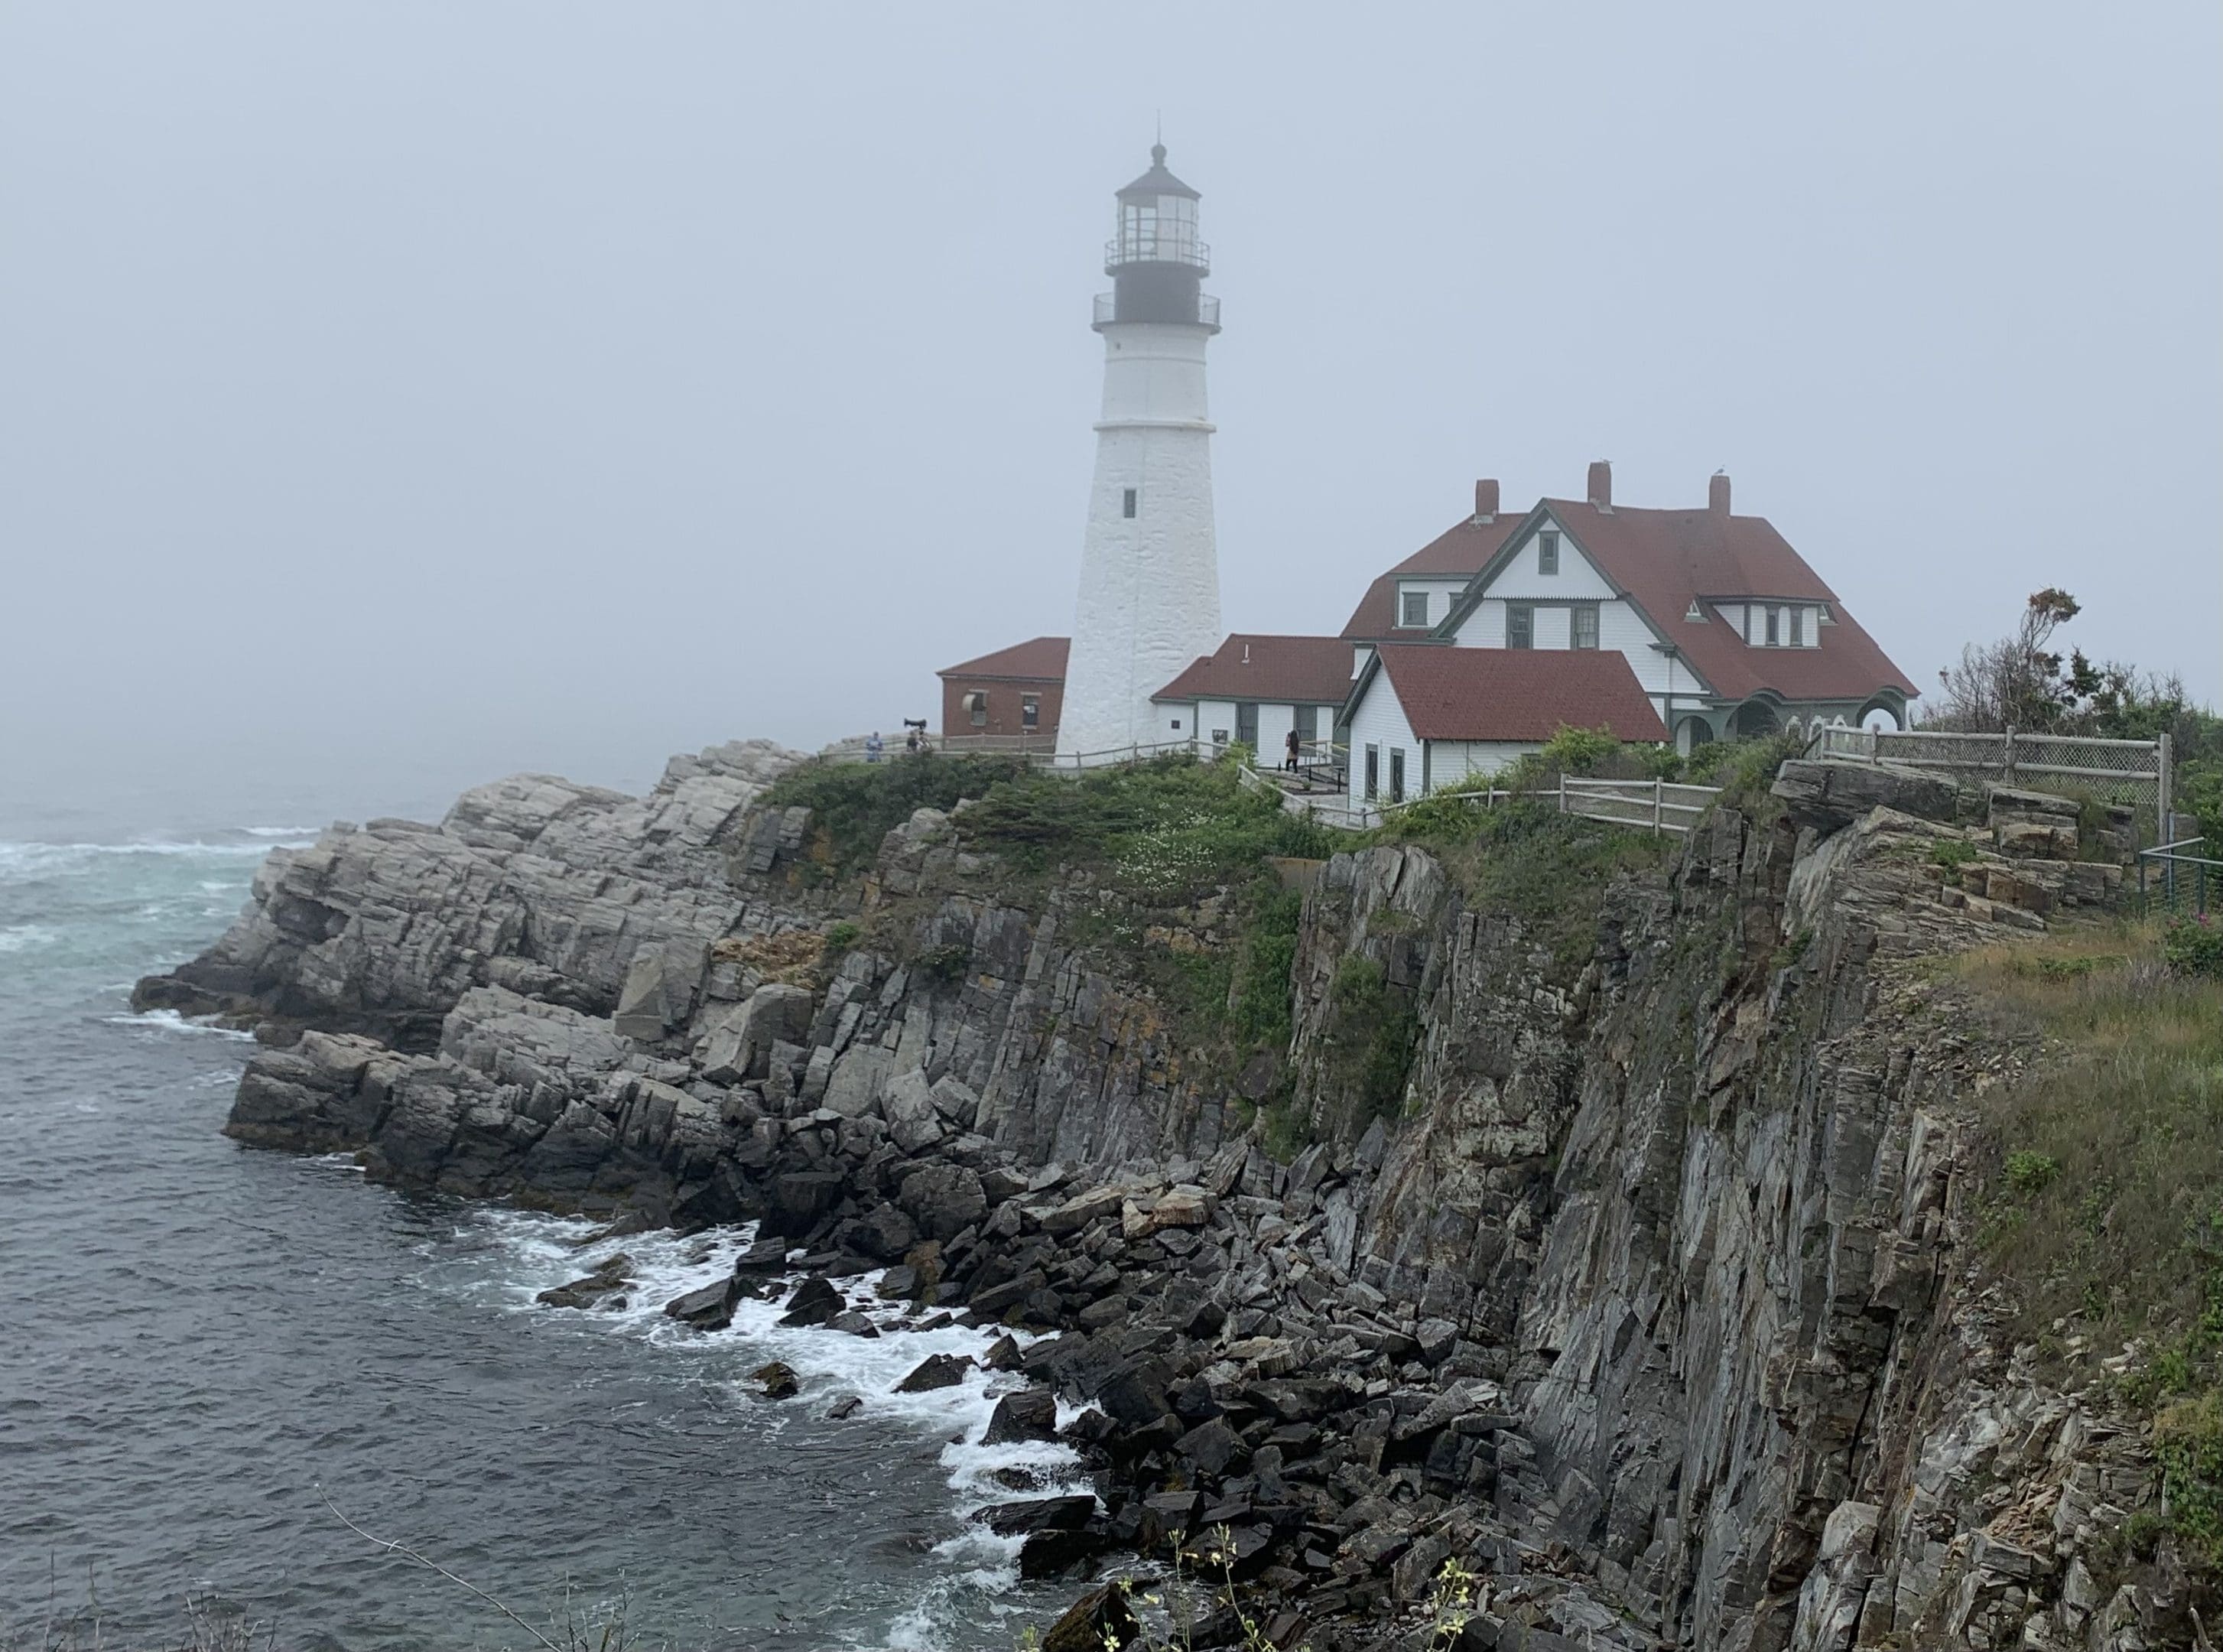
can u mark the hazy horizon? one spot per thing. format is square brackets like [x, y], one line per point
[400, 396]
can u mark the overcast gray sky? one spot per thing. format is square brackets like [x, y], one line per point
[408, 394]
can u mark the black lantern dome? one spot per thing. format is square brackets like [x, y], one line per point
[1156, 261]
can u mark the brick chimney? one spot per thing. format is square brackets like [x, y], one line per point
[1485, 501]
[1600, 491]
[1718, 493]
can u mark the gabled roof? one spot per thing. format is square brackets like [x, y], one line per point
[1040, 659]
[1663, 560]
[1458, 552]
[1511, 694]
[1301, 670]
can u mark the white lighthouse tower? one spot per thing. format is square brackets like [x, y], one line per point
[1149, 573]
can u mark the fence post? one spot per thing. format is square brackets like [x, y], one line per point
[1655, 808]
[1563, 792]
[2164, 802]
[2010, 758]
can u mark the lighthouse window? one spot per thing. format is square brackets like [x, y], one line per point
[1127, 506]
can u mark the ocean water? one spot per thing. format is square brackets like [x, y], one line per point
[206, 1350]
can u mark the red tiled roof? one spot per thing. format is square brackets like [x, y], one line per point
[1461, 549]
[1516, 694]
[1041, 658]
[1301, 670]
[1664, 558]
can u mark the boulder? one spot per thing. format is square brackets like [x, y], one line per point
[777, 1380]
[1083, 1209]
[1133, 1394]
[1037, 1514]
[815, 1303]
[884, 1233]
[956, 1103]
[738, 1042]
[609, 1279]
[936, 1371]
[1101, 1621]
[914, 1124]
[858, 1079]
[943, 1199]
[844, 1407]
[710, 1308]
[1030, 1414]
[660, 987]
[1828, 793]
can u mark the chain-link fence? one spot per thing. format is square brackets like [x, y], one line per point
[2133, 771]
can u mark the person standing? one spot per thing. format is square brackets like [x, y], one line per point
[872, 747]
[1294, 746]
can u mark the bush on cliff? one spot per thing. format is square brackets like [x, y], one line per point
[855, 805]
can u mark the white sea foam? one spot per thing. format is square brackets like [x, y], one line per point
[19, 861]
[171, 1021]
[27, 938]
[306, 834]
[547, 1251]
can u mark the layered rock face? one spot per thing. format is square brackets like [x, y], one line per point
[533, 884]
[1647, 1297]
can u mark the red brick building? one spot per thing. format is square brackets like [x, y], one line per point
[1013, 695]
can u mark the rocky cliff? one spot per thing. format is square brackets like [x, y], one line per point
[1644, 1287]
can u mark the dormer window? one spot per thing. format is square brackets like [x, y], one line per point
[1547, 552]
[1415, 609]
[1774, 626]
[1797, 627]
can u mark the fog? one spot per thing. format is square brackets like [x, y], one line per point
[396, 395]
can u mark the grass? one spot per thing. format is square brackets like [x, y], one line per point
[1526, 860]
[2105, 1202]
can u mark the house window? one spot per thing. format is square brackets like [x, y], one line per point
[1520, 625]
[1373, 771]
[1797, 627]
[976, 703]
[1176, 725]
[1774, 627]
[1030, 711]
[1547, 552]
[1308, 718]
[1219, 740]
[1396, 774]
[1127, 505]
[1583, 626]
[1246, 723]
[1416, 608]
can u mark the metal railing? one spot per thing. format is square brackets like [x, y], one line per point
[2175, 880]
[2134, 772]
[1207, 309]
[1157, 250]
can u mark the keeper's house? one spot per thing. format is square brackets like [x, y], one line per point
[1422, 715]
[1009, 699]
[1726, 628]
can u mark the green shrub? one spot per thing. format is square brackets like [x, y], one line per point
[2029, 1173]
[1373, 1028]
[2189, 1448]
[945, 964]
[1579, 751]
[855, 805]
[843, 936]
[2194, 946]
[1952, 852]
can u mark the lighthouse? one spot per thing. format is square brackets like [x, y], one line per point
[1149, 573]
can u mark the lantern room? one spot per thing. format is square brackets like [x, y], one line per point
[1154, 257]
